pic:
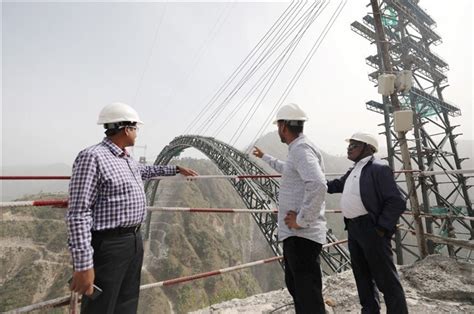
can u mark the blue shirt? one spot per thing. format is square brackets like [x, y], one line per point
[106, 191]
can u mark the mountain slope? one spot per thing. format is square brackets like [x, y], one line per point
[436, 284]
[35, 262]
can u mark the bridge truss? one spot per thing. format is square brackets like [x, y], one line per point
[259, 193]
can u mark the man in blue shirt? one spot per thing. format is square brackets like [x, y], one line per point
[371, 204]
[107, 205]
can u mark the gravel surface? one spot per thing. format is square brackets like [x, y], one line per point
[436, 284]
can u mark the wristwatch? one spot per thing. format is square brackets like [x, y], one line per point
[177, 169]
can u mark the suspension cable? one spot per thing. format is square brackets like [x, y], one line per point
[250, 115]
[301, 69]
[157, 30]
[253, 68]
[269, 33]
[200, 52]
[238, 107]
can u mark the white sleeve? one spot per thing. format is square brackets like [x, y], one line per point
[309, 168]
[276, 164]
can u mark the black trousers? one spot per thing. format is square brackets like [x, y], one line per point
[118, 260]
[303, 274]
[373, 267]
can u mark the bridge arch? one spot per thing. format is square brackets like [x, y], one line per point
[259, 193]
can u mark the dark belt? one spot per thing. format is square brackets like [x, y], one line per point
[117, 231]
[356, 219]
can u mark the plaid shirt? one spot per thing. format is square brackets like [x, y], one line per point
[106, 191]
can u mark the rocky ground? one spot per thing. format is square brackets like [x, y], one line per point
[437, 284]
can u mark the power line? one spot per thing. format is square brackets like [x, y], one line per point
[257, 64]
[157, 30]
[239, 68]
[303, 66]
[292, 23]
[310, 20]
[201, 51]
[271, 70]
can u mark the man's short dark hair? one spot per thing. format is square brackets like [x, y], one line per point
[294, 126]
[114, 128]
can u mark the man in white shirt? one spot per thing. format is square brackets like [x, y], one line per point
[371, 204]
[301, 221]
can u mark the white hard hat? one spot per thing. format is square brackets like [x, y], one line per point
[118, 112]
[365, 138]
[290, 112]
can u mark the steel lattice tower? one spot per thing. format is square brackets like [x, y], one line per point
[432, 142]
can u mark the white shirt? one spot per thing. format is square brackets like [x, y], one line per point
[351, 202]
[302, 189]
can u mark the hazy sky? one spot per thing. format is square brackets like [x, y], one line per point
[62, 62]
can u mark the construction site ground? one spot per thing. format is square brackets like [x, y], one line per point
[436, 284]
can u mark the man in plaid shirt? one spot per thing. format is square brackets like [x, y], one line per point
[107, 205]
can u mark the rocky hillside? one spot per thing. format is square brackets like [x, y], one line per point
[34, 261]
[436, 284]
[35, 264]
[188, 243]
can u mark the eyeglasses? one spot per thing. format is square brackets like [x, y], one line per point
[354, 145]
[133, 127]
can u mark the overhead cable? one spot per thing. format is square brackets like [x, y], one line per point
[268, 73]
[239, 68]
[303, 66]
[250, 114]
[147, 63]
[257, 63]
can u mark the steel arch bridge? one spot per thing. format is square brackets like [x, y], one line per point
[258, 193]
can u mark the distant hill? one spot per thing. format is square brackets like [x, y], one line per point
[271, 144]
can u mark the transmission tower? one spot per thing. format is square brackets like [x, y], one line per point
[408, 33]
